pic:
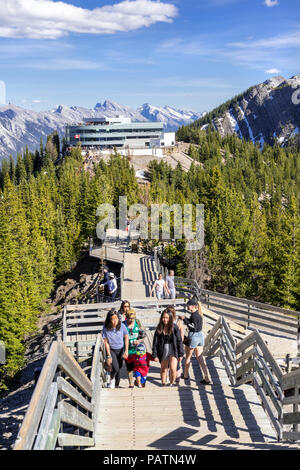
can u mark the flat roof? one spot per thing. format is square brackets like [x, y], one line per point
[108, 120]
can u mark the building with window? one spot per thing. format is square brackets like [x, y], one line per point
[107, 133]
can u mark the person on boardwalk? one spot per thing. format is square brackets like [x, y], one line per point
[135, 334]
[104, 282]
[195, 339]
[180, 325]
[167, 346]
[116, 344]
[141, 363]
[112, 287]
[170, 285]
[160, 287]
[123, 312]
[124, 308]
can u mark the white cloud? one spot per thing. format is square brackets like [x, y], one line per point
[286, 40]
[272, 71]
[257, 54]
[66, 64]
[271, 3]
[46, 19]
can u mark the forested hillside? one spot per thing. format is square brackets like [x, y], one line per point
[47, 212]
[251, 201]
[265, 113]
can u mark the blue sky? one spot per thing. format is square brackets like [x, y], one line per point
[191, 54]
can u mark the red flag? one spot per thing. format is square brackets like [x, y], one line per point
[76, 136]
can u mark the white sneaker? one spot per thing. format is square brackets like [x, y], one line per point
[107, 379]
[112, 383]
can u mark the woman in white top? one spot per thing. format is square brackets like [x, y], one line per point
[160, 287]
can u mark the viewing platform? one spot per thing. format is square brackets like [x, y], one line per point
[251, 403]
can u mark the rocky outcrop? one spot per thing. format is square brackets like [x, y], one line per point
[268, 112]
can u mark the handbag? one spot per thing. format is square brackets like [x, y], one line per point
[187, 340]
[107, 366]
[142, 334]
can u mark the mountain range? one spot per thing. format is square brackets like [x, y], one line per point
[21, 127]
[268, 112]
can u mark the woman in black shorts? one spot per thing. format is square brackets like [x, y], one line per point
[167, 346]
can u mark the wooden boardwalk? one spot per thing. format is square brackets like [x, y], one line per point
[191, 416]
[139, 276]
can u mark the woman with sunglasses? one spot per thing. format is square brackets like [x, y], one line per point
[135, 335]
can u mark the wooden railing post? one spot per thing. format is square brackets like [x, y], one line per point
[248, 315]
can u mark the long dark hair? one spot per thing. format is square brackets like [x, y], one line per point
[108, 324]
[122, 305]
[170, 327]
[171, 309]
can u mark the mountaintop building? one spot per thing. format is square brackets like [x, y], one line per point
[118, 132]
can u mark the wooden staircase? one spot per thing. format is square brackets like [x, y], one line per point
[189, 417]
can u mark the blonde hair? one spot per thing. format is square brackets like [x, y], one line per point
[131, 312]
[200, 308]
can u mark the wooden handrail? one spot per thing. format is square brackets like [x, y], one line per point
[246, 312]
[250, 361]
[236, 299]
[47, 413]
[290, 384]
[34, 412]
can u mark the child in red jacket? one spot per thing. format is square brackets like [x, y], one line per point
[141, 360]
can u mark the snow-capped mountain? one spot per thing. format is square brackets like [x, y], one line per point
[171, 117]
[112, 109]
[20, 127]
[268, 112]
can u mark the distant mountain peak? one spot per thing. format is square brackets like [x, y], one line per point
[265, 113]
[61, 108]
[20, 127]
[274, 81]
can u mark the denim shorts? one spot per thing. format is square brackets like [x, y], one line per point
[172, 294]
[159, 295]
[197, 339]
